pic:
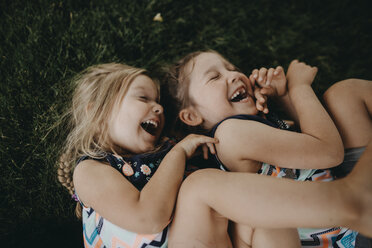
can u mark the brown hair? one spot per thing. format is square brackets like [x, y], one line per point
[98, 91]
[178, 82]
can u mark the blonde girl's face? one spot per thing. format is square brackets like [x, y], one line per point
[137, 123]
[218, 90]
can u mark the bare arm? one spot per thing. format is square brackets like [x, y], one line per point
[115, 198]
[318, 146]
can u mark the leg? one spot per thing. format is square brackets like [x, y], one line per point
[349, 103]
[243, 236]
[195, 224]
[345, 202]
[283, 237]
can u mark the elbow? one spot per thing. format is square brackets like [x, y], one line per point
[144, 222]
[335, 156]
[154, 221]
[156, 224]
[145, 225]
[338, 153]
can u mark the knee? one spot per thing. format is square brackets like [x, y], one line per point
[338, 90]
[197, 182]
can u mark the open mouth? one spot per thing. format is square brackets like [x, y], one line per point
[150, 126]
[239, 95]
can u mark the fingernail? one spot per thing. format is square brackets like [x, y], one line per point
[259, 79]
[255, 76]
[275, 73]
[267, 83]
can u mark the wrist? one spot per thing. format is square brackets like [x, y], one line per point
[179, 150]
[295, 87]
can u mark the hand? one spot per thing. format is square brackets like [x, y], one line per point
[191, 142]
[300, 73]
[261, 100]
[271, 81]
[268, 82]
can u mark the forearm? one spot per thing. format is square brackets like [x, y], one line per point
[314, 120]
[286, 104]
[161, 191]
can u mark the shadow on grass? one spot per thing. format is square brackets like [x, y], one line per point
[46, 233]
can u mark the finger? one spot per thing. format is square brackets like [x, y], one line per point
[262, 103]
[270, 74]
[252, 79]
[295, 61]
[262, 75]
[267, 91]
[205, 151]
[259, 106]
[255, 73]
[259, 97]
[205, 139]
[278, 70]
[265, 109]
[211, 147]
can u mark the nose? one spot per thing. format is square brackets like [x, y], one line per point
[232, 77]
[158, 109]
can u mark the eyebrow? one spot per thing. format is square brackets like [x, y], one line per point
[139, 88]
[226, 64]
[229, 65]
[211, 69]
[145, 89]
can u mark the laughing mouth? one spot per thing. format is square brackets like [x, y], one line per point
[150, 126]
[239, 95]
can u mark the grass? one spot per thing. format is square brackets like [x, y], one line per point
[44, 43]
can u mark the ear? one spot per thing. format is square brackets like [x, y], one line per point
[190, 117]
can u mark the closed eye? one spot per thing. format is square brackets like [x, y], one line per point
[143, 98]
[214, 77]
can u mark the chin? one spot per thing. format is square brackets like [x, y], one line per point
[148, 148]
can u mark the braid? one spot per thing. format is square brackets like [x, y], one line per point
[65, 174]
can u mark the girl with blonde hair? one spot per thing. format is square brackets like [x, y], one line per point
[112, 153]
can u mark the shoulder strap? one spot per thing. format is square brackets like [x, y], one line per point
[243, 117]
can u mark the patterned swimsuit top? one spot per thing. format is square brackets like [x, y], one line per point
[137, 169]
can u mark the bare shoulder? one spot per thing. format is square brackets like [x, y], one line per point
[89, 168]
[236, 136]
[92, 177]
[233, 128]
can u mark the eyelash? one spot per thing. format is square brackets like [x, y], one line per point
[215, 77]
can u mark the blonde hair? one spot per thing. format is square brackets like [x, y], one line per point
[98, 91]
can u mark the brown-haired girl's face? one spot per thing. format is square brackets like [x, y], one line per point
[218, 90]
[137, 124]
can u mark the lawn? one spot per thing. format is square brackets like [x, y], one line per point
[44, 43]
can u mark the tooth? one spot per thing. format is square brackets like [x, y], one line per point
[151, 122]
[235, 95]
